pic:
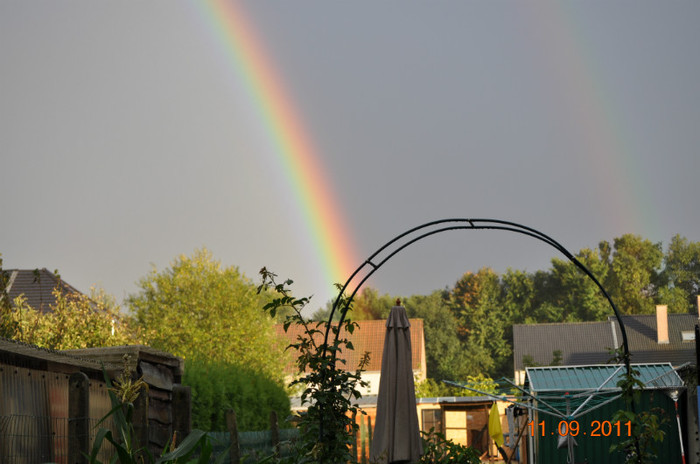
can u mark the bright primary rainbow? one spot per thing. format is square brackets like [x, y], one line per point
[292, 146]
[596, 121]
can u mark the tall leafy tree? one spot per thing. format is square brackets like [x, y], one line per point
[681, 276]
[476, 302]
[578, 296]
[517, 297]
[199, 309]
[445, 352]
[634, 273]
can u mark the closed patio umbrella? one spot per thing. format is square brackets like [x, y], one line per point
[396, 434]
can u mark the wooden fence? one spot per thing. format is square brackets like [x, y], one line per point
[50, 401]
[279, 441]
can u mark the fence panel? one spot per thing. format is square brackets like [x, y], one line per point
[255, 444]
[34, 415]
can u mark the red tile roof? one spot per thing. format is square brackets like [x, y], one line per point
[367, 337]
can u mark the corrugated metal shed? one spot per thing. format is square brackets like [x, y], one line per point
[578, 383]
[582, 378]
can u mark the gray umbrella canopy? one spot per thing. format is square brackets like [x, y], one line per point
[396, 434]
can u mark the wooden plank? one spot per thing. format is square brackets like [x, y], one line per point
[160, 411]
[159, 435]
[157, 375]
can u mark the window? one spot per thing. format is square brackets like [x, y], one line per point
[688, 335]
[432, 419]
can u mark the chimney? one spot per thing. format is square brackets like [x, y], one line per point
[662, 324]
[698, 306]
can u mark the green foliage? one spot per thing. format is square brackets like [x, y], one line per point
[4, 279]
[476, 303]
[438, 450]
[681, 275]
[446, 358]
[199, 309]
[634, 274]
[218, 386]
[74, 321]
[573, 291]
[327, 426]
[646, 426]
[468, 328]
[429, 388]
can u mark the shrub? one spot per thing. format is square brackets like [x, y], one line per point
[218, 386]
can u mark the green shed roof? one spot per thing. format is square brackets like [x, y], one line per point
[582, 378]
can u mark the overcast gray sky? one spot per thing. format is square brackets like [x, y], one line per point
[128, 135]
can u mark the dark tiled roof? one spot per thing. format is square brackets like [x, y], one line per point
[580, 343]
[37, 286]
[584, 343]
[369, 336]
[641, 337]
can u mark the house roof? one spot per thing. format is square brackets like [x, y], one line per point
[579, 342]
[37, 285]
[584, 343]
[367, 337]
[641, 337]
[603, 377]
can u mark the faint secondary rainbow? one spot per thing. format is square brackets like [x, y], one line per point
[292, 145]
[617, 175]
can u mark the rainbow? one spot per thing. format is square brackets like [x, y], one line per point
[627, 202]
[334, 249]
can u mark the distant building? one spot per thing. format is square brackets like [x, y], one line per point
[653, 338]
[37, 286]
[367, 337]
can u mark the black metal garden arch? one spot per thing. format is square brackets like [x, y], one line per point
[411, 236]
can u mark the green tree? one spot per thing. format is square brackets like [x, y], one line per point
[518, 296]
[546, 305]
[367, 305]
[199, 309]
[476, 302]
[429, 388]
[634, 273]
[681, 275]
[446, 356]
[74, 321]
[573, 291]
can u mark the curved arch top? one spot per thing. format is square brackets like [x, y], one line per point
[415, 234]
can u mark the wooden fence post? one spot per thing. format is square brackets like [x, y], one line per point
[232, 425]
[369, 435]
[182, 412]
[354, 436]
[78, 418]
[275, 432]
[363, 434]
